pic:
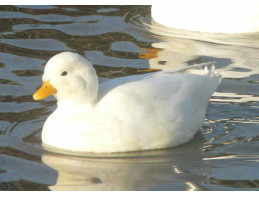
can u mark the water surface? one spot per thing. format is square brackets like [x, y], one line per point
[120, 40]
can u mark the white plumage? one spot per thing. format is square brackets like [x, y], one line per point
[140, 112]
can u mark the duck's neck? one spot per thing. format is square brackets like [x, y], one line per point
[72, 107]
[76, 103]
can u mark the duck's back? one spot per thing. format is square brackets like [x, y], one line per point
[157, 111]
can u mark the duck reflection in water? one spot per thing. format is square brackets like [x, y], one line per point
[143, 170]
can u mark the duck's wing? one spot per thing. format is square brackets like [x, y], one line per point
[107, 85]
[166, 106]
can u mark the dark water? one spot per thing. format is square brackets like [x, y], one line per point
[120, 40]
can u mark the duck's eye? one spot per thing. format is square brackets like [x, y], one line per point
[64, 73]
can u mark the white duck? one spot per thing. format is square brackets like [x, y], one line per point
[209, 16]
[140, 112]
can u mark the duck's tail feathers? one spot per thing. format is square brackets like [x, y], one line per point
[207, 68]
[210, 70]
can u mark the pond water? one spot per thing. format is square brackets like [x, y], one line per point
[120, 40]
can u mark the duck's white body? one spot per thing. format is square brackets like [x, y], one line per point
[131, 113]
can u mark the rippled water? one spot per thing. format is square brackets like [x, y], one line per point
[120, 40]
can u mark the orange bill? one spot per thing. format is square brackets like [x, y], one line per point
[45, 90]
[149, 70]
[151, 53]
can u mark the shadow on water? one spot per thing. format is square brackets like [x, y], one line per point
[121, 40]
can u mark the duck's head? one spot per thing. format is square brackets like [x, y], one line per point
[70, 78]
